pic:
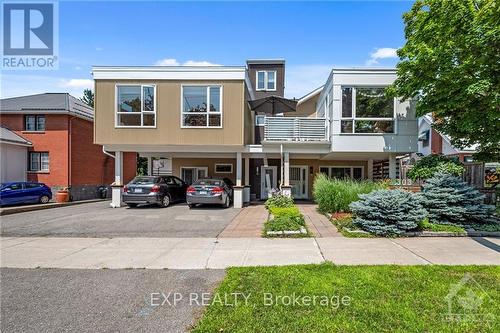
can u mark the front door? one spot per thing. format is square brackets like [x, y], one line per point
[298, 182]
[268, 180]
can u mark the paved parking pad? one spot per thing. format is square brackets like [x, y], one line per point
[50, 300]
[99, 220]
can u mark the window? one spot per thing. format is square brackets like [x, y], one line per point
[191, 174]
[223, 168]
[260, 120]
[38, 161]
[195, 110]
[34, 123]
[341, 172]
[424, 137]
[366, 110]
[13, 187]
[266, 80]
[136, 106]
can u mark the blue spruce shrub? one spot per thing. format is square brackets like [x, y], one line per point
[387, 212]
[449, 200]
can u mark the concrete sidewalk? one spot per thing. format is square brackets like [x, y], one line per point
[201, 253]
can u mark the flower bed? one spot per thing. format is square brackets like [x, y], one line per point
[284, 219]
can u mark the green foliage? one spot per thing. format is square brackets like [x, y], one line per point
[429, 165]
[426, 225]
[142, 166]
[450, 65]
[284, 211]
[285, 223]
[335, 195]
[279, 200]
[88, 97]
[449, 200]
[387, 212]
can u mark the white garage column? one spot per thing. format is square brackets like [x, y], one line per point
[238, 189]
[370, 169]
[117, 186]
[286, 189]
[150, 166]
[392, 166]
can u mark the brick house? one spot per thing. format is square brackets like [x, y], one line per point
[60, 128]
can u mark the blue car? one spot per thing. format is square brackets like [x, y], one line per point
[24, 192]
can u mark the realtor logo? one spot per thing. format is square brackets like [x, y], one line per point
[29, 35]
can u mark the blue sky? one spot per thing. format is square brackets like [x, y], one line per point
[312, 37]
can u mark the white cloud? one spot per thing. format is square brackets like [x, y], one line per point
[174, 62]
[77, 83]
[381, 53]
[167, 62]
[302, 79]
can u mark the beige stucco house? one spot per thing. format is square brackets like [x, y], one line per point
[234, 122]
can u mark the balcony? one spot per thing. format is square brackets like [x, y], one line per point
[295, 129]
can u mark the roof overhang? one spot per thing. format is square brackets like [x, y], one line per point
[265, 61]
[169, 73]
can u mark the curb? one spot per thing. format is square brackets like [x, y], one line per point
[30, 208]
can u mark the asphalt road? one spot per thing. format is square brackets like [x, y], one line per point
[99, 220]
[62, 300]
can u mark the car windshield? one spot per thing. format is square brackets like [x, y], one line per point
[213, 182]
[144, 180]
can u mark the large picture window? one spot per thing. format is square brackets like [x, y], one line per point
[136, 106]
[201, 106]
[366, 110]
[38, 161]
[343, 172]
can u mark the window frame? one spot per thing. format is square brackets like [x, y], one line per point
[36, 116]
[155, 113]
[353, 117]
[30, 169]
[352, 167]
[221, 99]
[196, 168]
[223, 164]
[266, 80]
[260, 116]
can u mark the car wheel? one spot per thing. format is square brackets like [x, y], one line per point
[132, 205]
[165, 201]
[44, 199]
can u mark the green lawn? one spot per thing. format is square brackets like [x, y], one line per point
[382, 299]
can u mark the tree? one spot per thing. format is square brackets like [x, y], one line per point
[88, 97]
[429, 165]
[450, 65]
[449, 200]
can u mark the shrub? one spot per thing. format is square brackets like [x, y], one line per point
[429, 165]
[387, 212]
[279, 200]
[285, 211]
[335, 195]
[285, 223]
[449, 200]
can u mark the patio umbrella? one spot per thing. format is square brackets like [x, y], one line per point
[273, 105]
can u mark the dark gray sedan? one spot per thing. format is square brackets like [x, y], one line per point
[209, 191]
[160, 190]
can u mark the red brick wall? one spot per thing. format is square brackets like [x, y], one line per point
[89, 165]
[436, 142]
[54, 141]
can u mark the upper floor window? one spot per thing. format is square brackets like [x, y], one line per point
[34, 123]
[38, 161]
[136, 106]
[266, 80]
[201, 106]
[366, 110]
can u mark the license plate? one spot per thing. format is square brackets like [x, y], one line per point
[137, 190]
[203, 192]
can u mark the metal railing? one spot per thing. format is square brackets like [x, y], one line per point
[296, 129]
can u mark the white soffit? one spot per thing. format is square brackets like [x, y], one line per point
[169, 73]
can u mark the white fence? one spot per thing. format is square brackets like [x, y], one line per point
[296, 129]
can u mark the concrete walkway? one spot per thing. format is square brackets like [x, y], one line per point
[200, 253]
[248, 223]
[318, 224]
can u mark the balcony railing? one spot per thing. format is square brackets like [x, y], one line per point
[296, 129]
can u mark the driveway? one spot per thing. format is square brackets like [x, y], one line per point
[99, 220]
[57, 300]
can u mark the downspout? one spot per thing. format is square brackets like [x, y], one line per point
[282, 166]
[107, 153]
